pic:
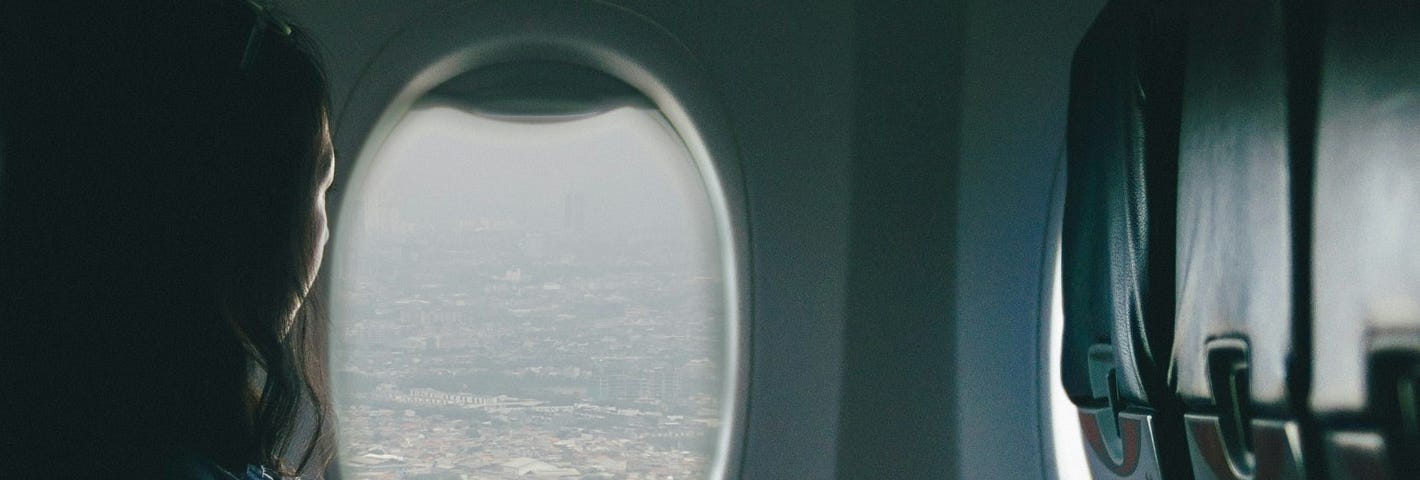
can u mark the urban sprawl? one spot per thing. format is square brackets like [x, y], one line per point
[487, 350]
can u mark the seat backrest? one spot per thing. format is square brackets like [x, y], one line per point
[1117, 241]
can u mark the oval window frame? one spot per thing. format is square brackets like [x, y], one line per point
[466, 37]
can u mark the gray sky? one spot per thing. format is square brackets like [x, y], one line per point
[443, 164]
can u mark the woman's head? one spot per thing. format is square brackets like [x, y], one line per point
[163, 219]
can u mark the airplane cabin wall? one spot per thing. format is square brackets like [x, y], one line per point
[1016, 81]
[783, 70]
[897, 162]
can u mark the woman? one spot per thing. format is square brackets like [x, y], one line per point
[162, 221]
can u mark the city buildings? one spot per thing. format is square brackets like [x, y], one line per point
[466, 351]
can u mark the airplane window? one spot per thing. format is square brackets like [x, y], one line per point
[1064, 422]
[516, 299]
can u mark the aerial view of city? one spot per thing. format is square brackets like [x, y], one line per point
[542, 335]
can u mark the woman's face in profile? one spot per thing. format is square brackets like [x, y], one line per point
[318, 218]
[320, 228]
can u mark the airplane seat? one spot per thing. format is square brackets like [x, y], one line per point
[1365, 214]
[1117, 245]
[1233, 348]
[1292, 318]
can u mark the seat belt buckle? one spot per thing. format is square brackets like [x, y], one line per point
[1119, 439]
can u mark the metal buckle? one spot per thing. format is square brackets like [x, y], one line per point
[1119, 439]
[1230, 444]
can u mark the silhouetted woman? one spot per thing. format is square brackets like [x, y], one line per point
[162, 221]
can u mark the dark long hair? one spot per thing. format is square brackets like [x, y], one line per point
[156, 234]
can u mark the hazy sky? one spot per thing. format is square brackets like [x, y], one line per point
[443, 164]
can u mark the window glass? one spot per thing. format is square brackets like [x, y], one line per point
[528, 300]
[1069, 446]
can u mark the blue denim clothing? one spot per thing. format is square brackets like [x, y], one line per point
[190, 466]
[256, 472]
